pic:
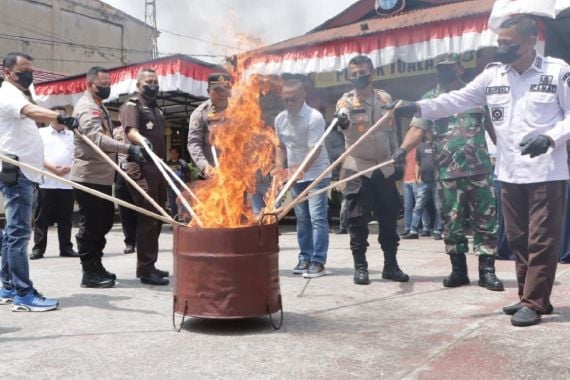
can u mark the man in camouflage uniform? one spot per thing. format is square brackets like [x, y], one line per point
[373, 193]
[464, 173]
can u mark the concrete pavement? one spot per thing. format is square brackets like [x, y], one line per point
[336, 330]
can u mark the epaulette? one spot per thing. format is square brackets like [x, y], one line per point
[133, 101]
[491, 64]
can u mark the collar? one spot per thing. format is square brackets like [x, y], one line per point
[302, 112]
[53, 131]
[146, 102]
[537, 64]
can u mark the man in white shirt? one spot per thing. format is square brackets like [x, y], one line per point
[55, 198]
[299, 128]
[19, 138]
[529, 101]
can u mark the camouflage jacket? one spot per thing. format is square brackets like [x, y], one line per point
[459, 145]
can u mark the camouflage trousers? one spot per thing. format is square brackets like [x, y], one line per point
[469, 202]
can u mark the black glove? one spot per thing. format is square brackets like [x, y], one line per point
[399, 156]
[135, 153]
[69, 121]
[398, 172]
[343, 119]
[402, 108]
[535, 146]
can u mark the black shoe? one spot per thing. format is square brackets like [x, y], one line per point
[437, 236]
[361, 277]
[512, 309]
[425, 234]
[69, 253]
[487, 277]
[96, 280]
[405, 233]
[129, 249]
[458, 276]
[315, 270]
[103, 272]
[302, 267]
[394, 273]
[161, 273]
[341, 231]
[35, 255]
[411, 235]
[154, 279]
[525, 317]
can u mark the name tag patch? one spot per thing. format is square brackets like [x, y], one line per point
[494, 90]
[548, 88]
[497, 113]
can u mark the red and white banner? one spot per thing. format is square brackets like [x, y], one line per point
[176, 73]
[415, 44]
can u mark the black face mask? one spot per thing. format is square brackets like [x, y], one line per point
[361, 82]
[25, 78]
[447, 76]
[507, 53]
[150, 90]
[103, 92]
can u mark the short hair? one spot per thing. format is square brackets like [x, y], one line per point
[58, 108]
[361, 60]
[144, 70]
[11, 59]
[524, 24]
[93, 73]
[293, 83]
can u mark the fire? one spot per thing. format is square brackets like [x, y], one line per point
[244, 145]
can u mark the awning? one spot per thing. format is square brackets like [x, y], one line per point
[411, 36]
[176, 74]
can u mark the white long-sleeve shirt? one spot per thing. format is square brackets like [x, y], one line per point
[536, 102]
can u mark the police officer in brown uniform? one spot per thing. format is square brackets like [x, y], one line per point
[208, 116]
[374, 193]
[92, 170]
[142, 119]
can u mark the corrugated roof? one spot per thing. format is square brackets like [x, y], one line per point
[402, 20]
[40, 75]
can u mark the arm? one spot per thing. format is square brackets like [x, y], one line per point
[91, 126]
[414, 136]
[39, 114]
[471, 96]
[418, 173]
[560, 133]
[196, 135]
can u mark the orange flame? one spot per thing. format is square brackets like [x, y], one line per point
[244, 145]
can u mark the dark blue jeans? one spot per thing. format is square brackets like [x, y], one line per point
[18, 201]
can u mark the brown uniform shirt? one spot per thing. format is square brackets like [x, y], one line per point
[203, 121]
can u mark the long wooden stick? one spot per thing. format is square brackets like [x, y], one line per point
[324, 174]
[177, 179]
[91, 191]
[344, 180]
[293, 178]
[157, 162]
[123, 174]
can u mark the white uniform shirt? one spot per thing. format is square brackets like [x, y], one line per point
[58, 151]
[299, 133]
[536, 102]
[18, 134]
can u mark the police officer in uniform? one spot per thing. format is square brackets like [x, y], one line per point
[205, 118]
[529, 101]
[374, 192]
[91, 170]
[142, 119]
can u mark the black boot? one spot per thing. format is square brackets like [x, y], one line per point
[458, 274]
[360, 268]
[92, 276]
[391, 269]
[487, 277]
[104, 272]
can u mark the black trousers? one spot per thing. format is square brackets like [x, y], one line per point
[128, 216]
[148, 228]
[372, 198]
[95, 221]
[54, 206]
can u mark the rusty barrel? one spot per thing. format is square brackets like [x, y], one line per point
[227, 272]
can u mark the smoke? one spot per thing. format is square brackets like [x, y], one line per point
[218, 21]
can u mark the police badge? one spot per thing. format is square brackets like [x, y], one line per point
[389, 7]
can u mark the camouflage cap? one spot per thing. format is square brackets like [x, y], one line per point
[448, 59]
[219, 80]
